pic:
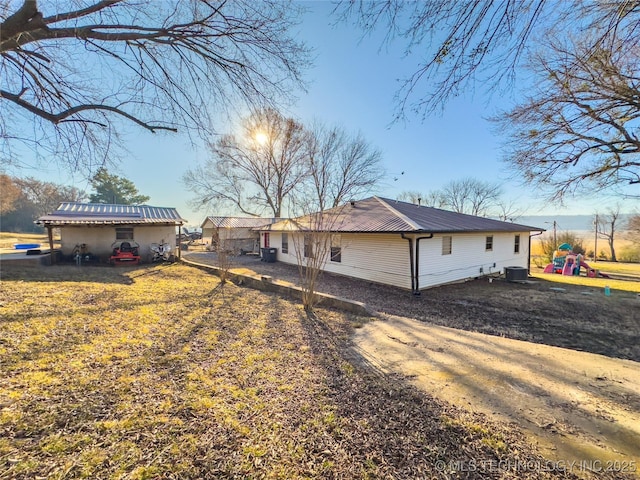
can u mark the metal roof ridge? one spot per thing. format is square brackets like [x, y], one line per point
[399, 215]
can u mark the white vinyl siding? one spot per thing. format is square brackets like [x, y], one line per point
[380, 258]
[467, 259]
[384, 258]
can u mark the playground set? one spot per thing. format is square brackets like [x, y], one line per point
[566, 262]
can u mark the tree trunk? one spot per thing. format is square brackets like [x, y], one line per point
[613, 250]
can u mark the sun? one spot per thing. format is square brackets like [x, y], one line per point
[261, 138]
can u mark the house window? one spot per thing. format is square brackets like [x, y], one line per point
[124, 233]
[516, 244]
[285, 243]
[336, 248]
[308, 245]
[266, 240]
[446, 245]
[488, 246]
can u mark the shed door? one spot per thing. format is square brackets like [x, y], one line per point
[265, 241]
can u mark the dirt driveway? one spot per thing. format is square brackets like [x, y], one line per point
[577, 406]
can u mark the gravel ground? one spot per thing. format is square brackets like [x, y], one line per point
[573, 317]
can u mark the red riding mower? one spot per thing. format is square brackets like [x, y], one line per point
[124, 253]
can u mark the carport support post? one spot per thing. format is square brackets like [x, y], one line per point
[51, 252]
[179, 242]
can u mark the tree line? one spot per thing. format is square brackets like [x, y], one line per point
[470, 196]
[23, 200]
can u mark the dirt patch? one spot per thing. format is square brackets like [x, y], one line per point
[578, 406]
[575, 317]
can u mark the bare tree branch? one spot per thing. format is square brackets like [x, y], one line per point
[463, 44]
[62, 116]
[83, 73]
[341, 166]
[579, 131]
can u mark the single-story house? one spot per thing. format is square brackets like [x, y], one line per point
[234, 233]
[99, 226]
[403, 244]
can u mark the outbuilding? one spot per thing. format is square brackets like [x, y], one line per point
[402, 244]
[95, 228]
[234, 233]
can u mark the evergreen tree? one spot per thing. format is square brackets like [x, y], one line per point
[114, 189]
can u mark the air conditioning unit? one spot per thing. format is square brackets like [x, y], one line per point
[516, 274]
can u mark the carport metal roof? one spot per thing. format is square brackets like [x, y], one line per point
[78, 214]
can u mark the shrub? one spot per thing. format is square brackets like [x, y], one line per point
[547, 246]
[630, 254]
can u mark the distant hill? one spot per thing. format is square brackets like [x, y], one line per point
[565, 222]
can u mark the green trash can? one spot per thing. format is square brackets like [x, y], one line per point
[269, 255]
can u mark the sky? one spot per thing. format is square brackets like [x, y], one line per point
[352, 84]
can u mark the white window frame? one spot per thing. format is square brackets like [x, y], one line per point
[488, 243]
[308, 245]
[335, 251]
[447, 244]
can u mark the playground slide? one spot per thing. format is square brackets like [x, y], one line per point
[596, 273]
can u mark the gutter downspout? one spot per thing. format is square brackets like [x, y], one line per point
[410, 240]
[417, 290]
[529, 256]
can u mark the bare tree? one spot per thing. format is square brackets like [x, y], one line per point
[468, 43]
[34, 198]
[428, 199]
[633, 226]
[508, 210]
[47, 196]
[578, 132]
[471, 196]
[606, 227]
[315, 242]
[73, 74]
[277, 164]
[255, 171]
[341, 166]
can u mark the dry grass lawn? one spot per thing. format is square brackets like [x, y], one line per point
[8, 239]
[158, 372]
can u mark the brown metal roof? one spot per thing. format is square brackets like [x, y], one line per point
[437, 220]
[238, 222]
[69, 213]
[382, 215]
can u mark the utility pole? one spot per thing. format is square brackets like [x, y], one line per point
[595, 246]
[555, 235]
